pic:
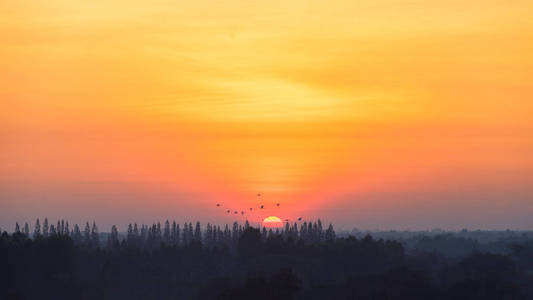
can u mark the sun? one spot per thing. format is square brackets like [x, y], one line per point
[272, 222]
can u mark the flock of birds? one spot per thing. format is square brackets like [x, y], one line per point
[261, 206]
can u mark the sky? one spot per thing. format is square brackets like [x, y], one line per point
[370, 114]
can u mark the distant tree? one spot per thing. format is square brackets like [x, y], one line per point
[166, 233]
[185, 235]
[66, 229]
[190, 233]
[26, 230]
[198, 232]
[62, 227]
[158, 234]
[37, 229]
[76, 235]
[208, 238]
[320, 230]
[264, 233]
[112, 239]
[144, 234]
[129, 236]
[95, 240]
[45, 228]
[330, 233]
[53, 231]
[303, 231]
[235, 232]
[87, 235]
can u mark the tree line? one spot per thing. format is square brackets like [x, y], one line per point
[302, 261]
[172, 234]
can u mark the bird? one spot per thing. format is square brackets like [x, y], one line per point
[258, 195]
[251, 209]
[299, 219]
[261, 206]
[218, 204]
[235, 212]
[227, 211]
[277, 204]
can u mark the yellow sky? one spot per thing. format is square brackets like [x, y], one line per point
[363, 112]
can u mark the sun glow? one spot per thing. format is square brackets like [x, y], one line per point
[272, 221]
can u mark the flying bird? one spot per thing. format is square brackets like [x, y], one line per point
[277, 204]
[251, 209]
[261, 206]
[299, 219]
[218, 204]
[227, 211]
[235, 212]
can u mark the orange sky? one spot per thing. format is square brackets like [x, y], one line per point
[375, 114]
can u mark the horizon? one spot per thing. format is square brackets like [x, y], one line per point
[375, 114]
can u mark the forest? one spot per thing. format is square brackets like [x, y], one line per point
[298, 261]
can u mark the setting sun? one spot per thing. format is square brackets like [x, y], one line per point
[272, 222]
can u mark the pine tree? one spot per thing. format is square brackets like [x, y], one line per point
[208, 240]
[286, 232]
[185, 234]
[129, 236]
[177, 241]
[95, 240]
[76, 236]
[26, 229]
[62, 227]
[320, 230]
[235, 232]
[45, 228]
[166, 233]
[264, 233]
[144, 235]
[173, 232]
[303, 231]
[112, 239]
[37, 229]
[87, 235]
[227, 234]
[136, 237]
[198, 233]
[158, 234]
[190, 234]
[330, 233]
[67, 231]
[53, 231]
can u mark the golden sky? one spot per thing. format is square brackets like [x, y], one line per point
[383, 113]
